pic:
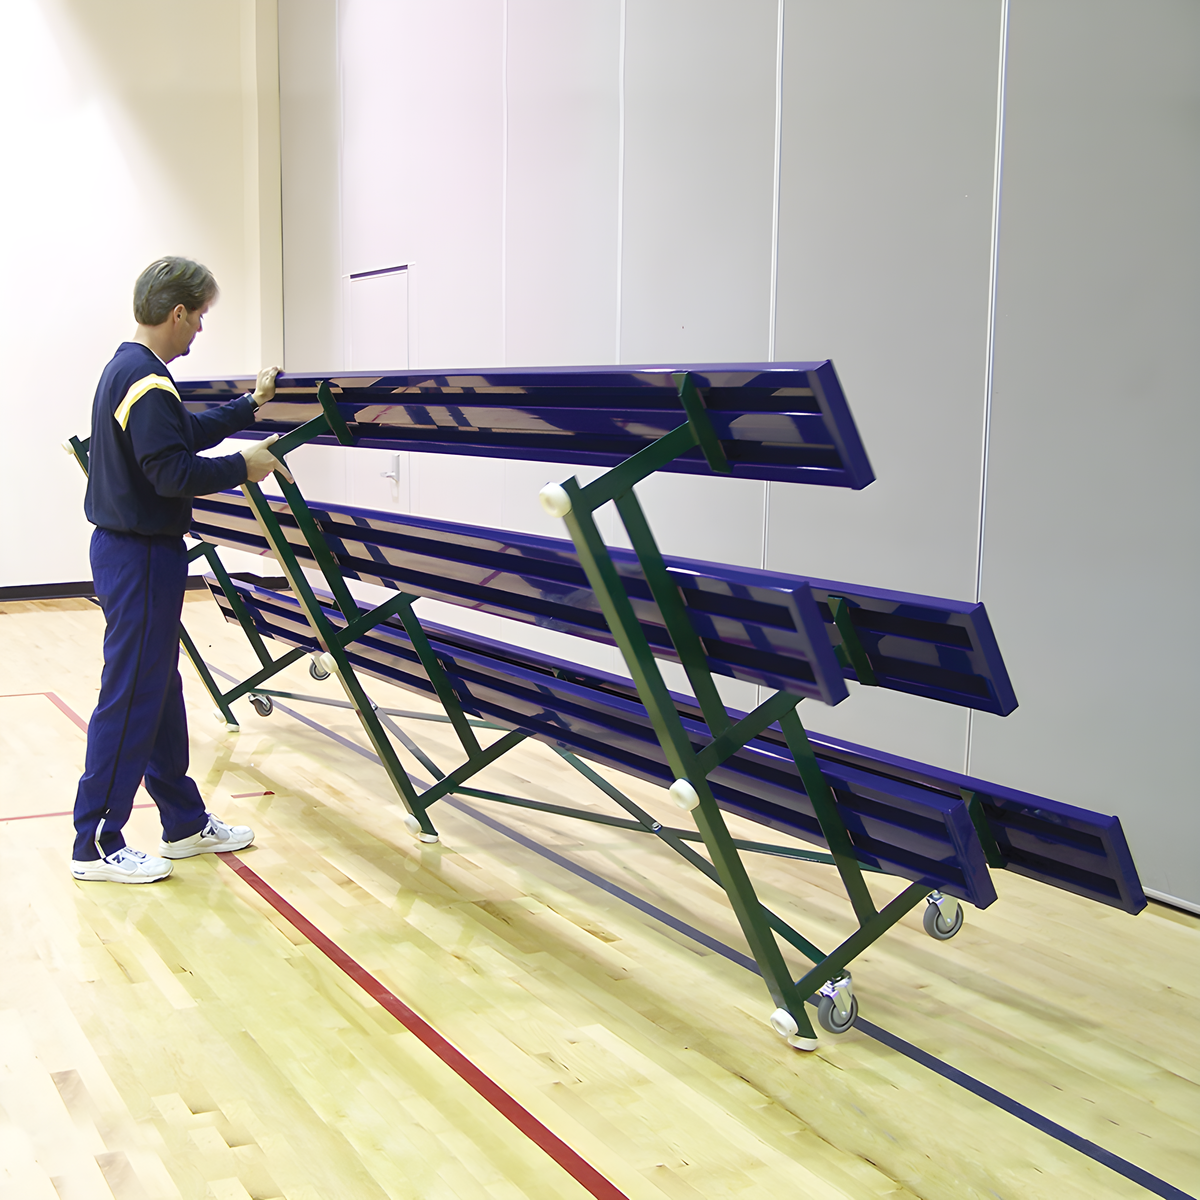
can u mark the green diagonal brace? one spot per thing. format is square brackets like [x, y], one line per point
[79, 450]
[333, 415]
[328, 638]
[631, 639]
[472, 766]
[367, 621]
[693, 405]
[677, 839]
[832, 965]
[855, 654]
[300, 436]
[987, 839]
[666, 595]
[832, 825]
[750, 726]
[209, 553]
[637, 466]
[253, 682]
[318, 547]
[440, 680]
[206, 678]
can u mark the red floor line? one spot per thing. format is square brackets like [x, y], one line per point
[61, 705]
[577, 1167]
[39, 816]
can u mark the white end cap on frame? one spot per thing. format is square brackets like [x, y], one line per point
[785, 1025]
[228, 727]
[555, 500]
[414, 827]
[683, 794]
[328, 662]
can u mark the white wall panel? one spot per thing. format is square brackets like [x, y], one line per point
[377, 319]
[884, 251]
[104, 176]
[561, 208]
[1092, 537]
[423, 116]
[310, 147]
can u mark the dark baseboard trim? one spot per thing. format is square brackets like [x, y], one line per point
[85, 588]
[47, 591]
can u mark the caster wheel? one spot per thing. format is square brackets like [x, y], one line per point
[317, 671]
[262, 705]
[937, 926]
[831, 1019]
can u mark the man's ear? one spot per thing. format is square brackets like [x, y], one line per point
[179, 312]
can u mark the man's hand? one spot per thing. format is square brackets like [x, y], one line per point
[264, 388]
[260, 462]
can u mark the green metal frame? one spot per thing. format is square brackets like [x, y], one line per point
[723, 864]
[759, 926]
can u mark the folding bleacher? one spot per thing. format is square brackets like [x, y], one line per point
[800, 637]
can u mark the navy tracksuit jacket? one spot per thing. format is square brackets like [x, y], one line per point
[143, 472]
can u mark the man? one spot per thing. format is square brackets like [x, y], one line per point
[143, 472]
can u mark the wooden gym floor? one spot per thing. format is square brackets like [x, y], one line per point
[200, 1038]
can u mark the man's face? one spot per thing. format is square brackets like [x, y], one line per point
[184, 325]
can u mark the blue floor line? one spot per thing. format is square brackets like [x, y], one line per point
[1106, 1158]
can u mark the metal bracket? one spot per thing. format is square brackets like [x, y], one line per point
[856, 655]
[840, 991]
[946, 905]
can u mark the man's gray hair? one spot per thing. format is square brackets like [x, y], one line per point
[168, 282]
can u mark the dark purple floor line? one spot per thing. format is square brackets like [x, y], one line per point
[1106, 1158]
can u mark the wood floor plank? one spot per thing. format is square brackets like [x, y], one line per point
[185, 1040]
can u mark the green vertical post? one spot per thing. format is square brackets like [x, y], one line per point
[224, 580]
[206, 678]
[631, 639]
[327, 637]
[832, 826]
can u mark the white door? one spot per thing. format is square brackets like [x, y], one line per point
[379, 320]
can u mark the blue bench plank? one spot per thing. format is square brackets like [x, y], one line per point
[781, 421]
[1071, 848]
[904, 829]
[759, 626]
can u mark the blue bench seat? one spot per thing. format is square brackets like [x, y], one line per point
[767, 628]
[896, 826]
[783, 421]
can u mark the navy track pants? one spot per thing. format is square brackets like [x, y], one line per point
[139, 728]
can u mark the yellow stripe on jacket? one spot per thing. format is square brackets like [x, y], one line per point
[137, 390]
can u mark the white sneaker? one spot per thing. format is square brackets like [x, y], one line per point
[215, 837]
[123, 866]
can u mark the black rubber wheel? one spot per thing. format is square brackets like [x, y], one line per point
[831, 1019]
[262, 705]
[317, 671]
[937, 926]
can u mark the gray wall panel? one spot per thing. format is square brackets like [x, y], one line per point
[699, 179]
[888, 149]
[1091, 536]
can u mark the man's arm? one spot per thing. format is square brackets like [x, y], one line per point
[156, 433]
[213, 426]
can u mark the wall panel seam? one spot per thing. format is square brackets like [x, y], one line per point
[620, 174]
[990, 353]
